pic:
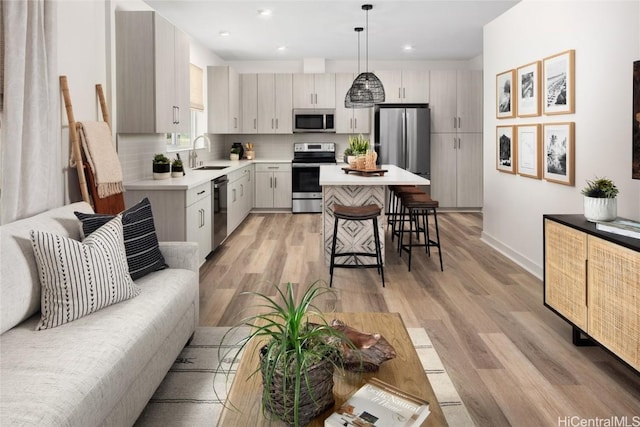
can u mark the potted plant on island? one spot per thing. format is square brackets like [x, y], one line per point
[297, 354]
[235, 153]
[358, 145]
[161, 167]
[600, 203]
[177, 168]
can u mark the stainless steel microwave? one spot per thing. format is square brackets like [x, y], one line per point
[314, 120]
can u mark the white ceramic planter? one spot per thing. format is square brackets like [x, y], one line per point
[162, 175]
[600, 209]
[234, 156]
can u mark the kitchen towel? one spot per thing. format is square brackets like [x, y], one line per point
[102, 157]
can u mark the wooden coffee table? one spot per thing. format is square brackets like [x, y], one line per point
[405, 372]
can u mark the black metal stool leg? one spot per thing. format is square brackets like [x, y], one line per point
[435, 220]
[333, 249]
[376, 235]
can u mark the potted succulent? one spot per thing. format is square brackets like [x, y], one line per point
[600, 203]
[297, 354]
[161, 167]
[177, 168]
[235, 153]
[358, 145]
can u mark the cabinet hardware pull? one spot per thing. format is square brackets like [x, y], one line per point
[399, 93]
[459, 143]
[254, 123]
[270, 182]
[234, 194]
[276, 123]
[459, 123]
[311, 98]
[404, 93]
[177, 115]
[275, 182]
[201, 192]
[241, 190]
[351, 123]
[355, 122]
[316, 99]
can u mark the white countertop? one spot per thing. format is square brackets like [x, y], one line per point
[194, 178]
[334, 175]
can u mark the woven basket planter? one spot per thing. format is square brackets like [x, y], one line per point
[314, 399]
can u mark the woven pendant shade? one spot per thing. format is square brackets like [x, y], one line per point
[367, 89]
[372, 86]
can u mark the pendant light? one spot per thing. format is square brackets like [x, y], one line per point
[358, 90]
[367, 80]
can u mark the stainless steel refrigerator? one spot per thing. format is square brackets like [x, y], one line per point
[402, 136]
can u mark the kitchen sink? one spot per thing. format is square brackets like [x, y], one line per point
[211, 168]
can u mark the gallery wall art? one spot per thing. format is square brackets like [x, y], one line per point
[528, 84]
[505, 149]
[559, 152]
[504, 95]
[529, 151]
[559, 83]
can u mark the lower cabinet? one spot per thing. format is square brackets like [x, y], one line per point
[179, 215]
[592, 279]
[273, 185]
[239, 196]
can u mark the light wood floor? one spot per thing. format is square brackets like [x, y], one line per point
[510, 358]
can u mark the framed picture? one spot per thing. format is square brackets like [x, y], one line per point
[505, 149]
[528, 84]
[505, 103]
[559, 155]
[529, 151]
[559, 83]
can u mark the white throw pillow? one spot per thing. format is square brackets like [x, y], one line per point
[79, 278]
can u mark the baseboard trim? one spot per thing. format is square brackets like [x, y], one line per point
[513, 255]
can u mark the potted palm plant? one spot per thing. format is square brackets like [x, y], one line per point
[161, 167]
[297, 354]
[600, 203]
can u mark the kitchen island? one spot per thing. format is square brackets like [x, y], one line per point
[357, 190]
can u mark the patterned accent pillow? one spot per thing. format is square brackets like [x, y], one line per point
[79, 278]
[140, 239]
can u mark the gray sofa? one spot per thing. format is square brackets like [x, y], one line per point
[103, 368]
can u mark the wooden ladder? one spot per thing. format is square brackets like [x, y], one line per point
[113, 204]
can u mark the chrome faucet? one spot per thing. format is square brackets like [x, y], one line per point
[193, 155]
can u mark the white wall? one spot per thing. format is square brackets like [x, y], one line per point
[606, 39]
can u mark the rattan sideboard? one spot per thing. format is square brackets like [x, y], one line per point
[592, 280]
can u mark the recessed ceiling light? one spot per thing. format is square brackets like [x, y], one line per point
[224, 33]
[264, 12]
[281, 48]
[407, 48]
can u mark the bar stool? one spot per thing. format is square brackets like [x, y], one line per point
[416, 206]
[396, 206]
[357, 213]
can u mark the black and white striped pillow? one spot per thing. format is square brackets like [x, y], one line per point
[140, 239]
[79, 278]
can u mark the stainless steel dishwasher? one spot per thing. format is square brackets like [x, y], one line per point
[219, 202]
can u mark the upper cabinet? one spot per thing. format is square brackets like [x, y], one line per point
[314, 91]
[405, 86]
[152, 74]
[275, 103]
[223, 84]
[456, 101]
[249, 98]
[349, 120]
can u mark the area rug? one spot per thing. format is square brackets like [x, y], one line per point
[187, 398]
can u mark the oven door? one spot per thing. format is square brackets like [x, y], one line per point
[306, 194]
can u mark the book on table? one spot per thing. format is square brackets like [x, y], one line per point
[621, 226]
[380, 404]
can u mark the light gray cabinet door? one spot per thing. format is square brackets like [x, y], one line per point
[469, 100]
[249, 90]
[283, 103]
[469, 170]
[444, 169]
[152, 74]
[443, 101]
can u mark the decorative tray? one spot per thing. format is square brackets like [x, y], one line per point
[366, 172]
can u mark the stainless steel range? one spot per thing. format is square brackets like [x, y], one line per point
[305, 179]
